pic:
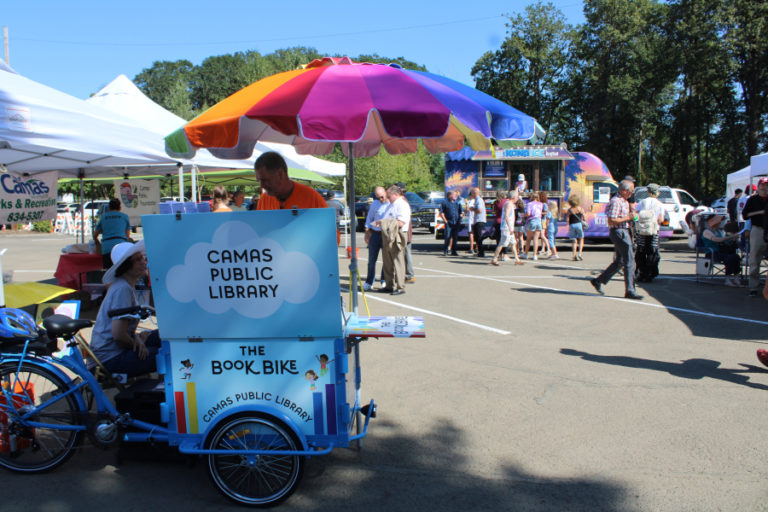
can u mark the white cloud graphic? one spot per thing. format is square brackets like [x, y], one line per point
[255, 289]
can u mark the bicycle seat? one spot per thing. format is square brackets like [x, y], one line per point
[61, 326]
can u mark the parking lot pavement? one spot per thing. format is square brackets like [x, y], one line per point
[530, 392]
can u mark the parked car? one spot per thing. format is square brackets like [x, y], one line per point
[95, 208]
[676, 201]
[434, 196]
[720, 202]
[422, 212]
[338, 195]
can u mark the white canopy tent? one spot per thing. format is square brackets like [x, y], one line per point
[759, 165]
[125, 99]
[43, 129]
[746, 176]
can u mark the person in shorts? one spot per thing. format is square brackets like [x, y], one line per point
[533, 211]
[575, 215]
[519, 224]
[506, 233]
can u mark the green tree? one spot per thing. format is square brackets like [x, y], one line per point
[747, 39]
[288, 59]
[166, 83]
[404, 63]
[621, 71]
[530, 69]
[223, 75]
[703, 92]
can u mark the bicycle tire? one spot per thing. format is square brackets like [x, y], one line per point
[255, 480]
[39, 449]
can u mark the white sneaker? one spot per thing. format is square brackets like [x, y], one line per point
[554, 257]
[366, 287]
[535, 257]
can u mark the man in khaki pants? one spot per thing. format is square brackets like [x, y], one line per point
[755, 210]
[394, 232]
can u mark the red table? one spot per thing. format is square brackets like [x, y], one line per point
[72, 267]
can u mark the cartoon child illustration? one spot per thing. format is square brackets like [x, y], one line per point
[186, 368]
[311, 376]
[323, 363]
[130, 200]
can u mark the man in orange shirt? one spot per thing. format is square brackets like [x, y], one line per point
[282, 193]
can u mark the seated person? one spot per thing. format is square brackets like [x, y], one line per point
[722, 247]
[114, 340]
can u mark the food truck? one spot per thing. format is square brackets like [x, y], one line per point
[553, 169]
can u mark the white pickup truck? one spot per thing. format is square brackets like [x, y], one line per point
[677, 202]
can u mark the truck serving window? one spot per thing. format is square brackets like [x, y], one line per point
[549, 175]
[602, 192]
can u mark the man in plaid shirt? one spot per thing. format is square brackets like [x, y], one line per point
[619, 215]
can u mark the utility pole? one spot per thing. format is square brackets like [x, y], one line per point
[5, 43]
[640, 156]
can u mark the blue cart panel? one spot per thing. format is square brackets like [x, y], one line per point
[272, 274]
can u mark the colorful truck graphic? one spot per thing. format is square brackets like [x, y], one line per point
[559, 172]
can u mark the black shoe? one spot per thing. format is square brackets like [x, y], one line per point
[753, 293]
[384, 290]
[454, 253]
[633, 296]
[445, 253]
[398, 292]
[597, 286]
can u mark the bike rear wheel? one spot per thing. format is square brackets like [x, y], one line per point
[26, 449]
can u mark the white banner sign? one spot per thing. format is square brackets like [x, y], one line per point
[137, 198]
[27, 198]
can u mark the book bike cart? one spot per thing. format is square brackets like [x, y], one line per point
[259, 366]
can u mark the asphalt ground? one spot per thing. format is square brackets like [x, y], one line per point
[530, 392]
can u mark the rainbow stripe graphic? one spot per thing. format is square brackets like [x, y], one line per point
[329, 411]
[190, 414]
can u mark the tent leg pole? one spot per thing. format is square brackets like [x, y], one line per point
[82, 209]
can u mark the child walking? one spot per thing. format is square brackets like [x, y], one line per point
[552, 214]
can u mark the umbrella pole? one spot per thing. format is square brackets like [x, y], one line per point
[353, 230]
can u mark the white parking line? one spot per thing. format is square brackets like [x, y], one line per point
[433, 313]
[591, 294]
[570, 292]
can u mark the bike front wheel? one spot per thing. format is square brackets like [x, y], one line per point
[28, 449]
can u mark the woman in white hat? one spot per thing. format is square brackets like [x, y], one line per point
[114, 340]
[521, 186]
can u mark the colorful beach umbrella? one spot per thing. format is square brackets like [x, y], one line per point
[369, 105]
[363, 106]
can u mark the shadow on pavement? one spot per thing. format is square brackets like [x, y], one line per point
[695, 369]
[394, 471]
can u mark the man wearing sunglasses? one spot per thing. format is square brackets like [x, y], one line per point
[373, 233]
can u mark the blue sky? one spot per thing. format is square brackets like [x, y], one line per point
[80, 46]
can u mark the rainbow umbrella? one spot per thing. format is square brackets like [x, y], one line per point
[361, 105]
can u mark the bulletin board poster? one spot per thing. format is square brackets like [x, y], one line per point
[26, 199]
[295, 379]
[137, 198]
[494, 169]
[259, 274]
